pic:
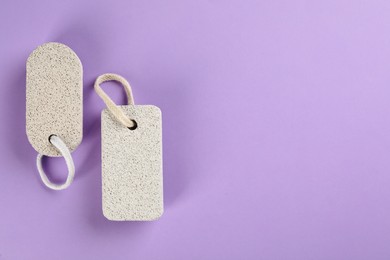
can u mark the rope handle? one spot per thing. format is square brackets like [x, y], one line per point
[61, 146]
[112, 107]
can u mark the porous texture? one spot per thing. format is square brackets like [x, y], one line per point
[132, 165]
[54, 94]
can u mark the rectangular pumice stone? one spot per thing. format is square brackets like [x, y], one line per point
[54, 95]
[132, 179]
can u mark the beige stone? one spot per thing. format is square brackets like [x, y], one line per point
[132, 165]
[54, 95]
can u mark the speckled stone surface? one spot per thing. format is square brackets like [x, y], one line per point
[132, 165]
[54, 94]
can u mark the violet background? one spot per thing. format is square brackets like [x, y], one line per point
[276, 128]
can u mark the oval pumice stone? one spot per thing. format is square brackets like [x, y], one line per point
[54, 95]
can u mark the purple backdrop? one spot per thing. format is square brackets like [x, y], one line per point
[276, 129]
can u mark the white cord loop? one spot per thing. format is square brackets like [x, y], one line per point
[61, 146]
[114, 109]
